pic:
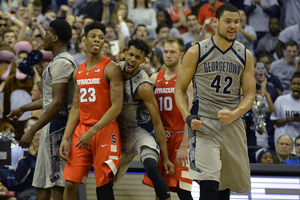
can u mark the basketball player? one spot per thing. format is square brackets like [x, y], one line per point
[218, 148]
[139, 117]
[173, 123]
[98, 99]
[56, 102]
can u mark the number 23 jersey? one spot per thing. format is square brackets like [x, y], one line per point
[217, 79]
[164, 95]
[94, 92]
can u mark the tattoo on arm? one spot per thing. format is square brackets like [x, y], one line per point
[96, 128]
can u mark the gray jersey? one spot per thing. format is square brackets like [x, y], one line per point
[217, 80]
[59, 70]
[134, 113]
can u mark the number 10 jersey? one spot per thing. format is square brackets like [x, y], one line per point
[164, 95]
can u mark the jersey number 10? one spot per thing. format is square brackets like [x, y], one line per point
[165, 103]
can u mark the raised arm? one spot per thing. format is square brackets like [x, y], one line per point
[145, 92]
[114, 76]
[73, 120]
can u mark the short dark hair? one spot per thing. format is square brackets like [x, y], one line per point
[94, 25]
[297, 138]
[160, 26]
[191, 14]
[176, 40]
[62, 29]
[296, 75]
[225, 7]
[31, 118]
[290, 43]
[37, 3]
[139, 44]
[140, 25]
[8, 31]
[78, 41]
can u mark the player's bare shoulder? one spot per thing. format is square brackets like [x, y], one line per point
[113, 71]
[144, 92]
[153, 77]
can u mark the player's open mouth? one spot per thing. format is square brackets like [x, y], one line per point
[96, 47]
[296, 92]
[130, 66]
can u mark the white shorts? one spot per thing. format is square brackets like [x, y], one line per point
[139, 142]
[219, 152]
[49, 166]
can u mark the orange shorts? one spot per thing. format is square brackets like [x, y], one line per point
[181, 178]
[104, 152]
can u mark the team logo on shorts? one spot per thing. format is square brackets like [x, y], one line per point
[113, 138]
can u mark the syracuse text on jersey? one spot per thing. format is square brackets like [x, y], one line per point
[88, 81]
[164, 90]
[222, 66]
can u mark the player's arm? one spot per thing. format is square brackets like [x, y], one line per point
[113, 75]
[145, 92]
[248, 86]
[184, 78]
[153, 77]
[73, 120]
[18, 112]
[182, 153]
[59, 91]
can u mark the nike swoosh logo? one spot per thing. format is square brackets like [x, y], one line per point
[103, 145]
[159, 80]
[79, 72]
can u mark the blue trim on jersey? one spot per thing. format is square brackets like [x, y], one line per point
[223, 52]
[245, 56]
[199, 55]
[239, 57]
[192, 151]
[203, 57]
[195, 107]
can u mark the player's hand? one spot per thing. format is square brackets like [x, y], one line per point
[226, 116]
[63, 149]
[15, 114]
[196, 124]
[169, 167]
[26, 139]
[182, 157]
[33, 149]
[84, 140]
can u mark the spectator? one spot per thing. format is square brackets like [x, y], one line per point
[289, 13]
[36, 94]
[80, 47]
[7, 55]
[3, 25]
[37, 10]
[263, 156]
[247, 34]
[208, 10]
[146, 16]
[131, 27]
[24, 172]
[178, 15]
[264, 56]
[290, 33]
[269, 41]
[262, 11]
[284, 67]
[296, 160]
[141, 32]
[18, 152]
[147, 67]
[163, 17]
[287, 109]
[98, 10]
[121, 10]
[284, 148]
[193, 28]
[9, 37]
[162, 33]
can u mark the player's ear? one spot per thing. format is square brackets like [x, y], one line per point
[216, 22]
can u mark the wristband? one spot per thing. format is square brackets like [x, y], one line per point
[40, 27]
[190, 118]
[12, 18]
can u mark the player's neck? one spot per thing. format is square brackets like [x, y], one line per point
[58, 50]
[221, 43]
[93, 60]
[171, 71]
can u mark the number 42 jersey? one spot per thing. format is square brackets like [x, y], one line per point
[164, 95]
[218, 76]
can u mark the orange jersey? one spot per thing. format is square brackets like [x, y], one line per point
[164, 95]
[174, 14]
[94, 92]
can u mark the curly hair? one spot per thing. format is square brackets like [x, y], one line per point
[62, 29]
[139, 44]
[94, 25]
[225, 7]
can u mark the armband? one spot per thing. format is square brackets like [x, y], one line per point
[12, 18]
[190, 118]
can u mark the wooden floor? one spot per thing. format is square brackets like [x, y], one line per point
[129, 188]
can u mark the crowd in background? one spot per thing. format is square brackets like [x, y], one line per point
[268, 28]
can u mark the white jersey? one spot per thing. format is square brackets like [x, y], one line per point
[217, 80]
[134, 113]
